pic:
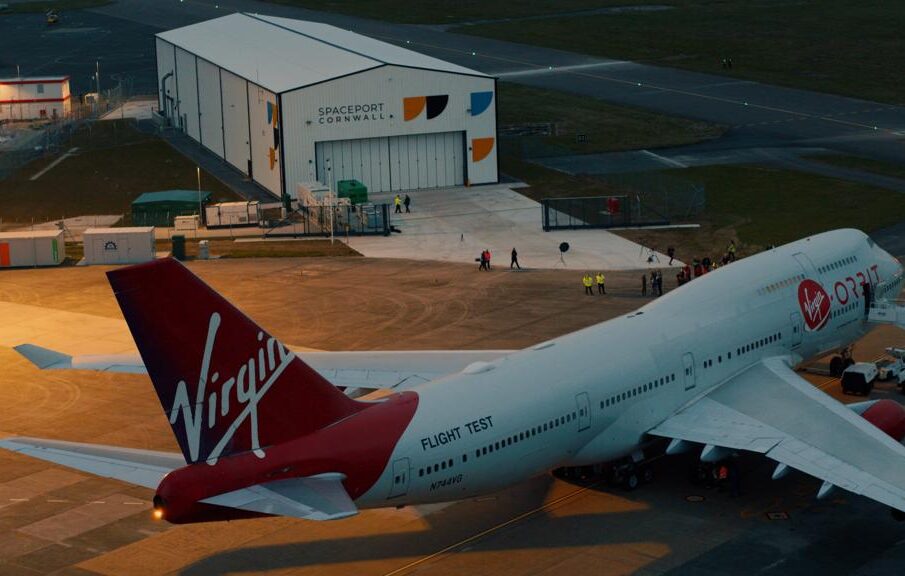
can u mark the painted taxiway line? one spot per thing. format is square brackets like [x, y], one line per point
[664, 160]
[54, 163]
[491, 530]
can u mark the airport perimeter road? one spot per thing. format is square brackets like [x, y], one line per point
[57, 521]
[760, 115]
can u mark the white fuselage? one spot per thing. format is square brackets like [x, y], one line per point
[592, 395]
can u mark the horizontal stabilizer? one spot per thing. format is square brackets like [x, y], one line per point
[47, 359]
[141, 467]
[44, 358]
[320, 497]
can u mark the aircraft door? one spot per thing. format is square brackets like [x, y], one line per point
[797, 329]
[400, 478]
[688, 361]
[584, 411]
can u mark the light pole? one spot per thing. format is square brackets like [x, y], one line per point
[97, 82]
[198, 172]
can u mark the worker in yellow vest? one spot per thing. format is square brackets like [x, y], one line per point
[588, 284]
[601, 287]
[398, 202]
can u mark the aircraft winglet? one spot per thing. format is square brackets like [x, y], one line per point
[44, 358]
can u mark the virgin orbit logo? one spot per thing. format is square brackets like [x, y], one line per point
[815, 304]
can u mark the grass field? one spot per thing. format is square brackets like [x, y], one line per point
[838, 46]
[755, 206]
[852, 48]
[865, 164]
[447, 11]
[767, 206]
[267, 249]
[606, 127]
[113, 165]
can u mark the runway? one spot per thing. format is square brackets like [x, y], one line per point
[759, 115]
[56, 521]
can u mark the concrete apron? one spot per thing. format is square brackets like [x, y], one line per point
[456, 224]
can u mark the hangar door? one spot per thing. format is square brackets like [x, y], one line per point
[394, 162]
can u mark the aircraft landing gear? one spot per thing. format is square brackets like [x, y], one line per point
[630, 475]
[839, 363]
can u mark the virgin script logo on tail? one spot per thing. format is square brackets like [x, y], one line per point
[815, 304]
[247, 387]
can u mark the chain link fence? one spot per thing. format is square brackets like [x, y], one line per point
[644, 200]
[344, 220]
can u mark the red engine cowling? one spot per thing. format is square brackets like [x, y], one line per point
[888, 416]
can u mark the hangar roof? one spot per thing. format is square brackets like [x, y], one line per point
[282, 54]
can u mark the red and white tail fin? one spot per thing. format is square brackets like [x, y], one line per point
[225, 384]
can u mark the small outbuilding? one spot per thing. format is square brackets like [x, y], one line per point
[30, 248]
[161, 208]
[119, 245]
[35, 98]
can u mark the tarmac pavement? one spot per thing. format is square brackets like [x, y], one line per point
[457, 224]
[56, 521]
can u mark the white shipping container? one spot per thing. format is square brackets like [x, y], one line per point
[119, 245]
[32, 248]
[232, 214]
[186, 222]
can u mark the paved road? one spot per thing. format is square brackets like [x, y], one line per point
[759, 115]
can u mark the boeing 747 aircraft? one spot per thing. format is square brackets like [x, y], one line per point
[709, 366]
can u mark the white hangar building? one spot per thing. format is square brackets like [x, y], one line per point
[287, 102]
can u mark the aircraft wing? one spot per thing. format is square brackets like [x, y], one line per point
[354, 370]
[320, 497]
[771, 410]
[142, 467]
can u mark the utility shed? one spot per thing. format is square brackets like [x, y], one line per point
[161, 208]
[288, 101]
[32, 248]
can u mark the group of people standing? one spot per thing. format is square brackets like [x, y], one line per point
[699, 267]
[588, 281]
[656, 283]
[484, 259]
[399, 202]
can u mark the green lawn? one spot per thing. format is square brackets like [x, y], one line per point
[852, 48]
[113, 166]
[753, 205]
[606, 127]
[864, 164]
[763, 206]
[61, 5]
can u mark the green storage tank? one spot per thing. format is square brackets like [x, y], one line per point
[161, 208]
[179, 247]
[355, 191]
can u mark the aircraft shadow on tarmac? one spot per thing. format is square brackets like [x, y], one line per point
[696, 539]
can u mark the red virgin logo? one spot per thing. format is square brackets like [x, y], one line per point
[815, 304]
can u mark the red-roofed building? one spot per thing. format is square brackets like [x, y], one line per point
[34, 98]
